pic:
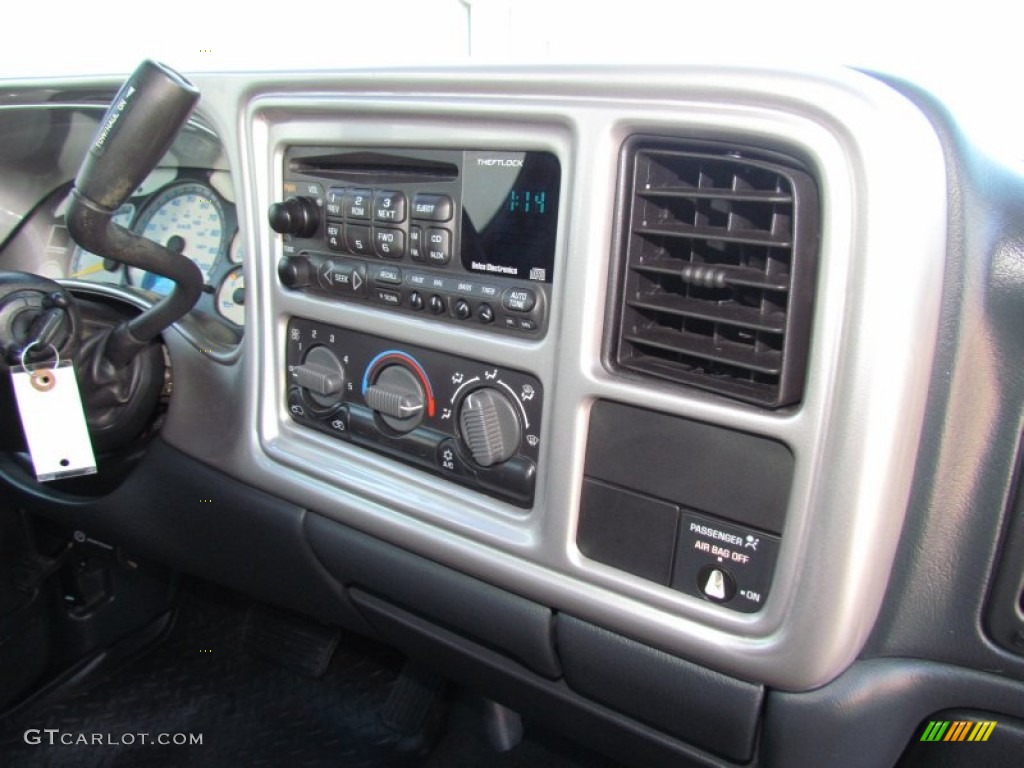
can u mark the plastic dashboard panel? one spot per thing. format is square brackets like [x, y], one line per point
[875, 321]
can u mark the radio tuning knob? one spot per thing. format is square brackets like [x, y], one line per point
[297, 216]
[294, 272]
[489, 426]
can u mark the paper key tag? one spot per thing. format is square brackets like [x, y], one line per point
[53, 420]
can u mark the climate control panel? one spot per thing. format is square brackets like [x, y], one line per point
[471, 422]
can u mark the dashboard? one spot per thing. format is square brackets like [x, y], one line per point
[680, 405]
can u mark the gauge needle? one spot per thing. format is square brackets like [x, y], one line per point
[97, 267]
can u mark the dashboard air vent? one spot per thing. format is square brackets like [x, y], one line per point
[720, 259]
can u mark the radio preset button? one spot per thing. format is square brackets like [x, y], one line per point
[389, 243]
[389, 207]
[439, 246]
[432, 207]
[355, 203]
[416, 243]
[357, 238]
[334, 203]
[335, 241]
[518, 299]
[387, 275]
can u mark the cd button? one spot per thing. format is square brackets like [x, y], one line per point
[439, 246]
[432, 207]
[389, 207]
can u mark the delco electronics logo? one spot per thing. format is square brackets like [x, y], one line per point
[503, 162]
[958, 730]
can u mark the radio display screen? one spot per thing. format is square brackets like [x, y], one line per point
[510, 214]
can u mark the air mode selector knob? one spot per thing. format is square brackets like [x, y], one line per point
[489, 426]
[297, 216]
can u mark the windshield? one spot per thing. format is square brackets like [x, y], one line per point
[965, 53]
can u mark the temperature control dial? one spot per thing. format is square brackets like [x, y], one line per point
[397, 396]
[321, 376]
[489, 426]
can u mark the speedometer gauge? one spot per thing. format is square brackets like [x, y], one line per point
[188, 219]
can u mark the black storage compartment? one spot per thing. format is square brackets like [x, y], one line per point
[493, 617]
[697, 705]
[732, 475]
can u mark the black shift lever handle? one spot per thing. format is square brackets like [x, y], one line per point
[136, 132]
[138, 129]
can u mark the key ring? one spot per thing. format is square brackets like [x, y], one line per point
[56, 354]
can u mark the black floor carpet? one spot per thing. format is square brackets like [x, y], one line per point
[199, 683]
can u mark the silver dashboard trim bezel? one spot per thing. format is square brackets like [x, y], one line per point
[876, 319]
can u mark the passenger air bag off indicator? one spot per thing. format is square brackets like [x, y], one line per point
[724, 563]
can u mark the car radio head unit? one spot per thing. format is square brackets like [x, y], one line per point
[463, 236]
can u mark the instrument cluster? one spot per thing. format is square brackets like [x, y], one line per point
[191, 212]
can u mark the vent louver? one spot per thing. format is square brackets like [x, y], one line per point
[721, 249]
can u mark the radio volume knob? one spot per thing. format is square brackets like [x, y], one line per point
[297, 216]
[489, 426]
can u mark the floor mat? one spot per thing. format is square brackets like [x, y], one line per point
[198, 685]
